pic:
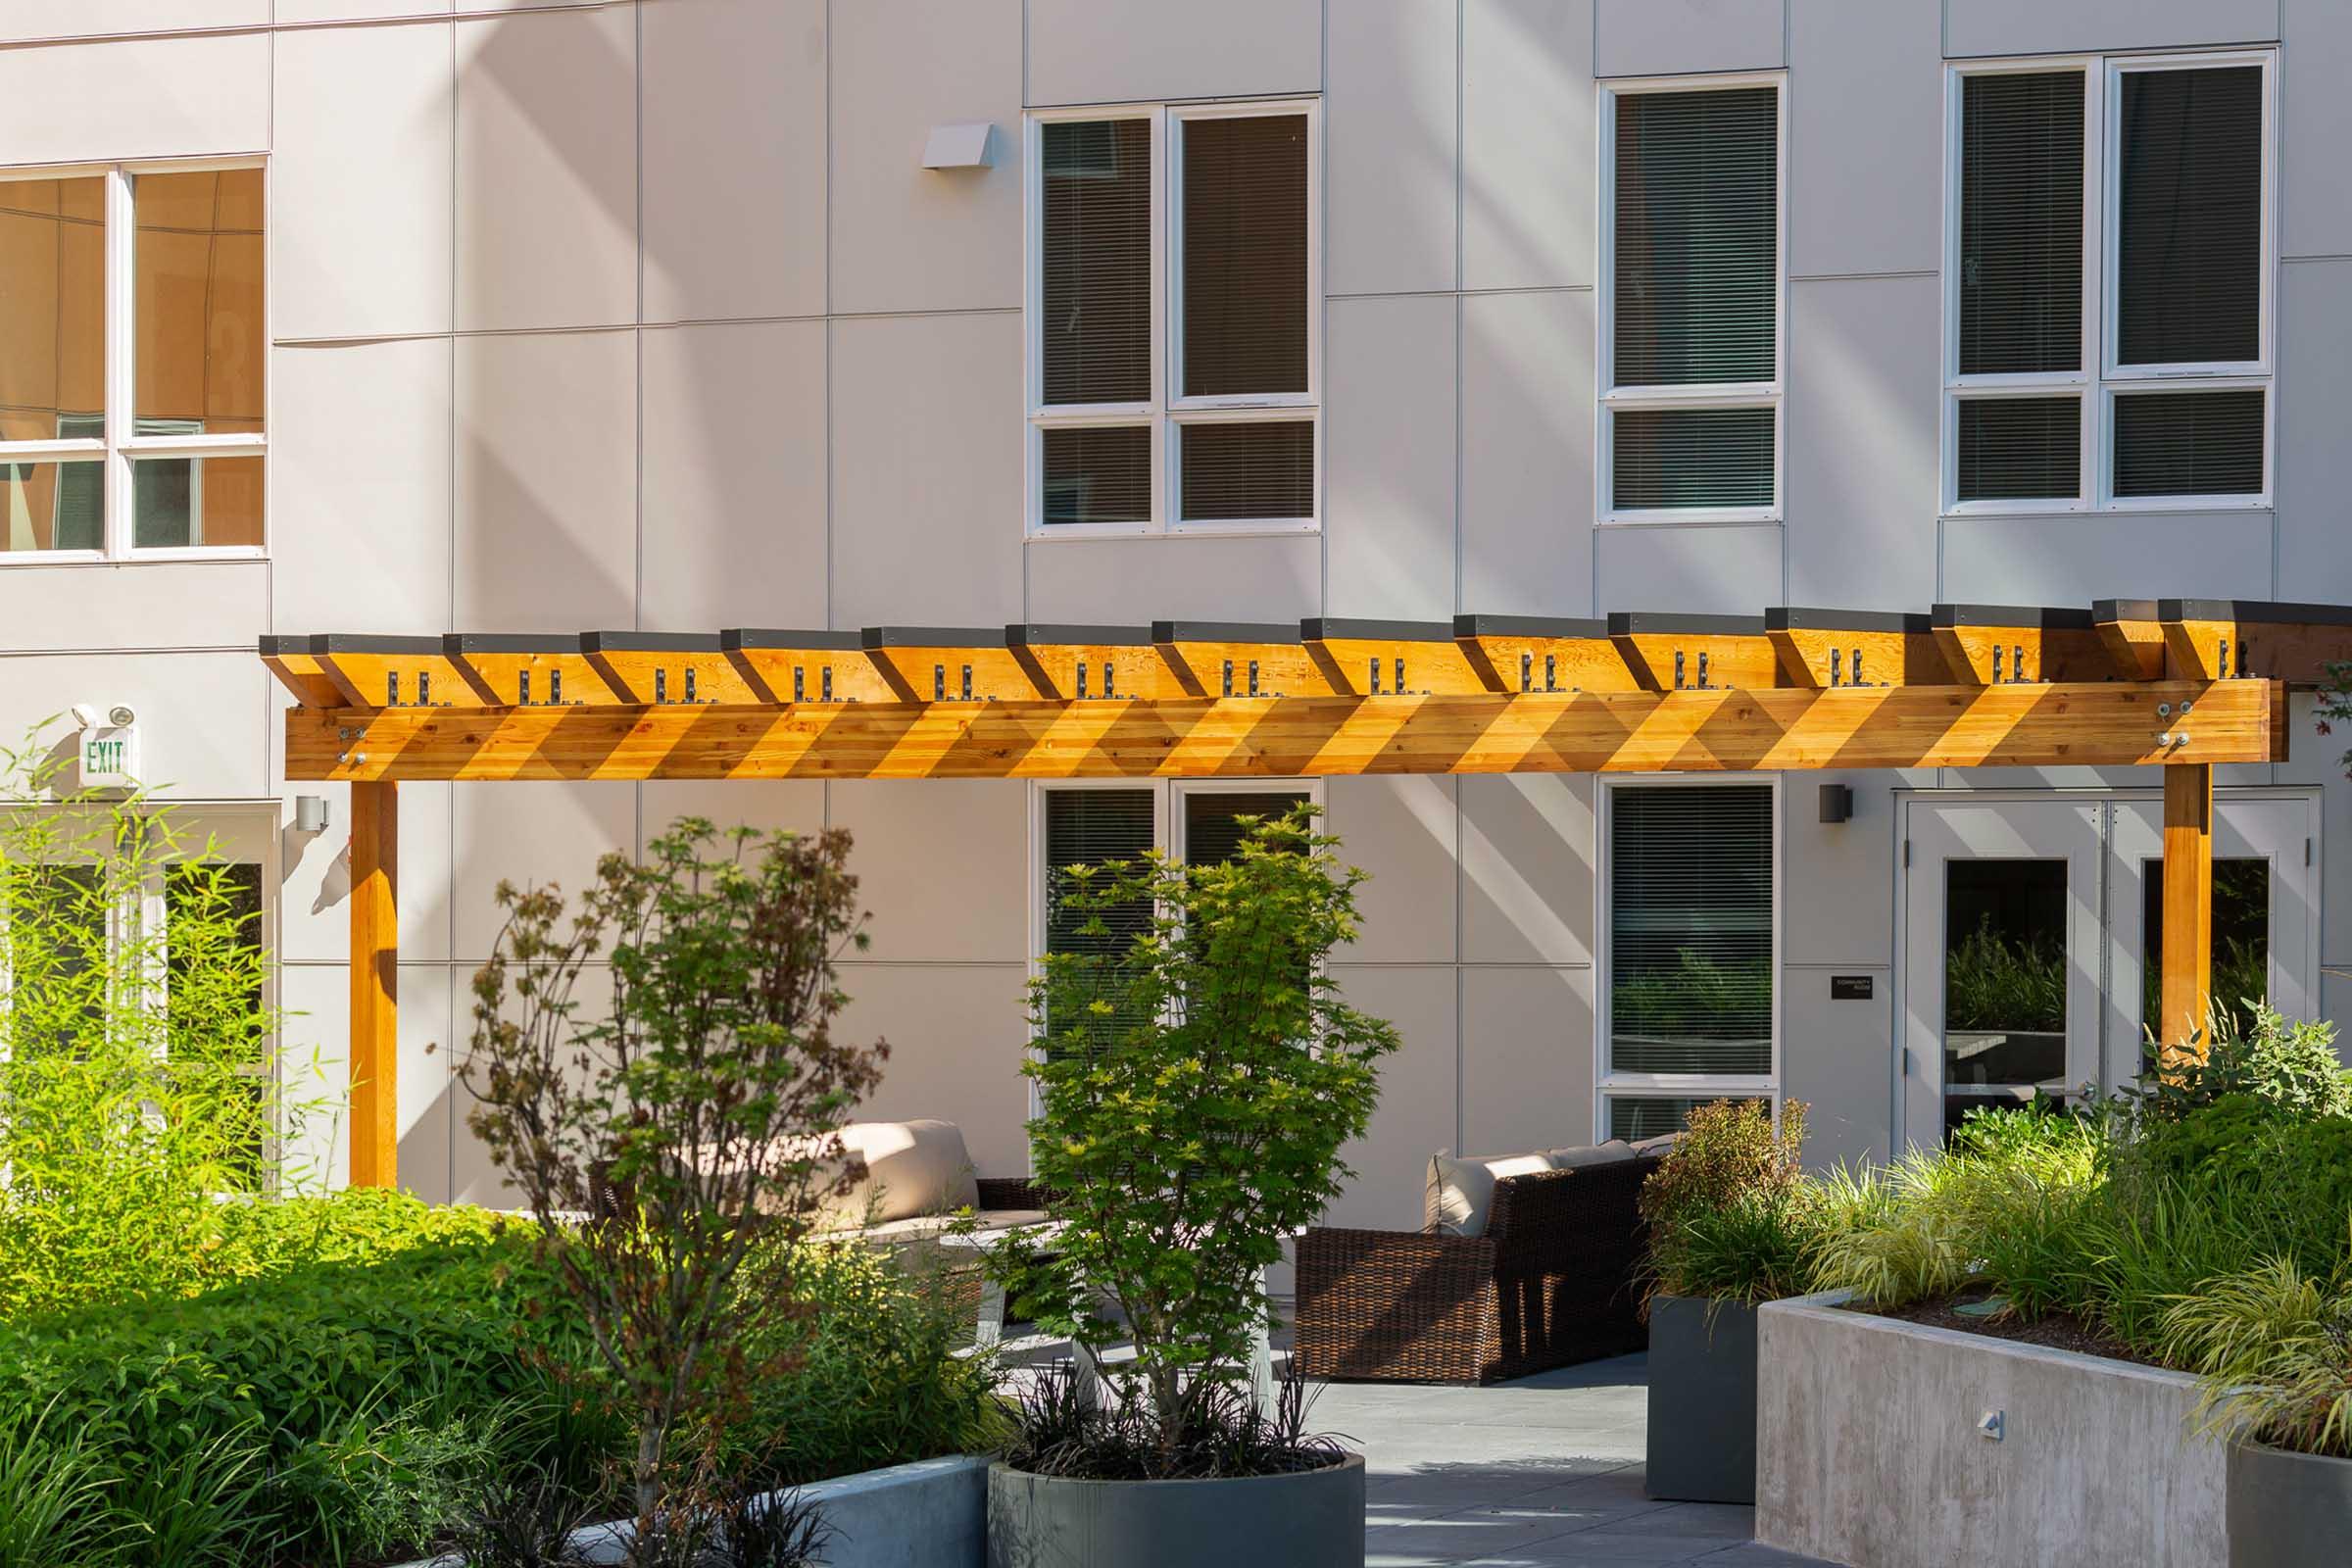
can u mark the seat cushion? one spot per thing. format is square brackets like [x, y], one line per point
[923, 1227]
[1582, 1156]
[911, 1168]
[1460, 1195]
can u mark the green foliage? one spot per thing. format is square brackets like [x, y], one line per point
[54, 1510]
[2290, 1063]
[1990, 982]
[2274, 1346]
[876, 1380]
[1698, 996]
[1197, 1084]
[326, 1410]
[704, 1097]
[134, 1046]
[1998, 1205]
[1730, 1217]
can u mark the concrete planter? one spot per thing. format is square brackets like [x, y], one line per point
[2287, 1509]
[1312, 1520]
[929, 1514]
[1702, 1401]
[1871, 1448]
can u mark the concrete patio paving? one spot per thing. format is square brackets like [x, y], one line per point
[1541, 1473]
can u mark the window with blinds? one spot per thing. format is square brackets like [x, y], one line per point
[2188, 217]
[1199, 409]
[2020, 449]
[1695, 295]
[1680, 458]
[2190, 443]
[1212, 827]
[2039, 422]
[2020, 223]
[1634, 1117]
[1094, 827]
[1690, 929]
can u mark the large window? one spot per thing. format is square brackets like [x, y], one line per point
[1691, 936]
[132, 362]
[1691, 355]
[1091, 825]
[1172, 303]
[2109, 289]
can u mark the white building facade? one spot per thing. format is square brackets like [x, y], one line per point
[388, 316]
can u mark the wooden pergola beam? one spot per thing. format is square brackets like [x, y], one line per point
[1588, 732]
[2186, 983]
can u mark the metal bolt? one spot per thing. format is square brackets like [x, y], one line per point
[2164, 709]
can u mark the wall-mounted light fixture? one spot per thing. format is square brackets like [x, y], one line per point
[1837, 803]
[311, 814]
[964, 146]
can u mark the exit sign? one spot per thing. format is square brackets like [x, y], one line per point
[109, 756]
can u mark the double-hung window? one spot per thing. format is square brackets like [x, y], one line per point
[2108, 292]
[1691, 363]
[1174, 325]
[132, 362]
[1199, 821]
[1691, 938]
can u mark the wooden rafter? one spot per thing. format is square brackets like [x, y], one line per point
[1699, 731]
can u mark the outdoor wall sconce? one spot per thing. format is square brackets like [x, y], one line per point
[963, 146]
[1837, 803]
[311, 814]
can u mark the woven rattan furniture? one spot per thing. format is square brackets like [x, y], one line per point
[1551, 1283]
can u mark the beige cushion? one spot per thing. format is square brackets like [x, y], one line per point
[911, 1168]
[1653, 1147]
[1460, 1195]
[1578, 1158]
[923, 1227]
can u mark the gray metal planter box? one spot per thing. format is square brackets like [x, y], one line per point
[1702, 1401]
[2287, 1509]
[1314, 1519]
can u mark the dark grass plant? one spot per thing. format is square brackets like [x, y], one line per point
[1059, 1431]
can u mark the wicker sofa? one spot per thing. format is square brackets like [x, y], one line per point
[1549, 1281]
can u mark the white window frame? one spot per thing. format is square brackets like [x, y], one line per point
[1698, 395]
[1609, 1084]
[1166, 411]
[2099, 378]
[121, 446]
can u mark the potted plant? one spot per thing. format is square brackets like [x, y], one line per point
[1197, 1075]
[1729, 1216]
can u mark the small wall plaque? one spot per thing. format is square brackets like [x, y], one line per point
[1849, 988]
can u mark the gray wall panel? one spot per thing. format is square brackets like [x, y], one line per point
[1530, 187]
[1126, 51]
[2037, 26]
[1708, 569]
[1864, 202]
[1388, 455]
[1861, 425]
[2314, 460]
[1664, 38]
[1390, 139]
[1527, 453]
[2109, 555]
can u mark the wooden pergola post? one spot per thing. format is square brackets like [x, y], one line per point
[374, 985]
[2188, 980]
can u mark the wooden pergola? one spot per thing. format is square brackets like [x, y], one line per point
[2180, 684]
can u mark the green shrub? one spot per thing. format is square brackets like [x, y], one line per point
[1992, 983]
[2290, 1063]
[878, 1380]
[2273, 1347]
[2000, 1205]
[1730, 1217]
[359, 1398]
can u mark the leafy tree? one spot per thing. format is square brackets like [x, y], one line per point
[1197, 1084]
[694, 1115]
[136, 1081]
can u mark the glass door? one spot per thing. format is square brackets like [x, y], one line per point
[2265, 915]
[2002, 954]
